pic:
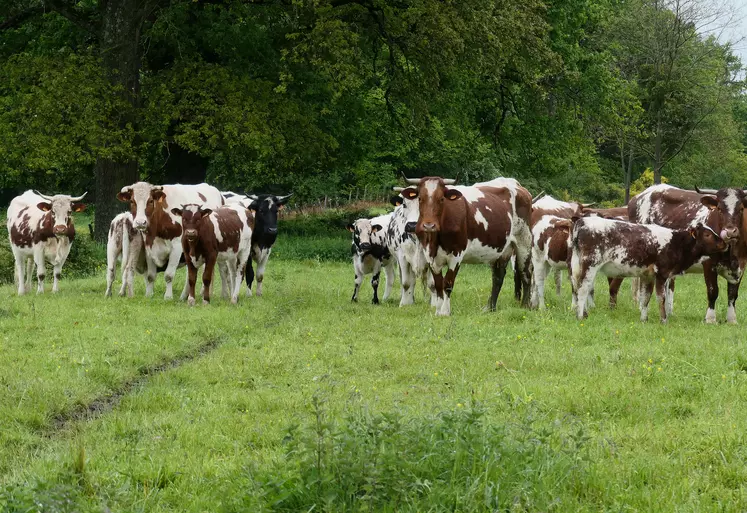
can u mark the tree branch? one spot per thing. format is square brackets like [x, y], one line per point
[78, 18]
[17, 20]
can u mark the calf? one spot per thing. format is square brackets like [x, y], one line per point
[407, 249]
[549, 252]
[266, 208]
[484, 223]
[223, 235]
[41, 228]
[370, 253]
[124, 244]
[650, 252]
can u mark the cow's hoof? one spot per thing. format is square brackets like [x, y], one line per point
[234, 300]
[375, 302]
[191, 301]
[205, 302]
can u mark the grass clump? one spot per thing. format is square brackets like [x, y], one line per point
[456, 460]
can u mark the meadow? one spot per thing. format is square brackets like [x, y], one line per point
[303, 401]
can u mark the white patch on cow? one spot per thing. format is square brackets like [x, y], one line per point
[216, 228]
[644, 212]
[661, 234]
[488, 208]
[550, 203]
[731, 202]
[599, 224]
[540, 227]
[431, 186]
[731, 315]
[479, 218]
[471, 194]
[710, 317]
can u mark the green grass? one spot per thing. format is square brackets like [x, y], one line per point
[308, 402]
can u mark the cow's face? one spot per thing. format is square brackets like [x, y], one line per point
[266, 208]
[410, 208]
[60, 207]
[707, 240]
[363, 231]
[729, 203]
[143, 198]
[192, 217]
[431, 194]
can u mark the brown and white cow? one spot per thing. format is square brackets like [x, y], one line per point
[621, 249]
[549, 253]
[484, 223]
[124, 244]
[151, 206]
[41, 228]
[222, 236]
[722, 210]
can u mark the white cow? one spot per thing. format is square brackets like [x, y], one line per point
[124, 244]
[41, 228]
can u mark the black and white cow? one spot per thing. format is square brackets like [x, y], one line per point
[371, 253]
[408, 250]
[650, 252]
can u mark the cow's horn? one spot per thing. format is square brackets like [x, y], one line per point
[48, 198]
[126, 188]
[413, 181]
[398, 189]
[705, 191]
[157, 188]
[284, 198]
[588, 205]
[449, 181]
[538, 196]
[73, 200]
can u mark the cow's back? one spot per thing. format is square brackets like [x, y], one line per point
[201, 194]
[668, 206]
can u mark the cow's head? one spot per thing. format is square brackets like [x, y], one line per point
[192, 215]
[729, 205]
[432, 192]
[707, 240]
[143, 199]
[410, 211]
[266, 208]
[60, 206]
[363, 232]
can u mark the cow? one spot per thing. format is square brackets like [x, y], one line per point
[41, 228]
[151, 206]
[370, 254]
[650, 252]
[209, 236]
[407, 249]
[549, 252]
[124, 243]
[484, 223]
[723, 211]
[266, 208]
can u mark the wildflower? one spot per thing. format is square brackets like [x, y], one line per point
[659, 369]
[723, 376]
[459, 405]
[435, 373]
[650, 360]
[617, 332]
[582, 324]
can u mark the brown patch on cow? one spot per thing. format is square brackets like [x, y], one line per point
[229, 225]
[160, 224]
[20, 233]
[44, 229]
[20, 212]
[202, 196]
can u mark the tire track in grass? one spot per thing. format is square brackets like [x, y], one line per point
[105, 403]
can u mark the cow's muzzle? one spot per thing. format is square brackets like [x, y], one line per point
[410, 227]
[140, 225]
[729, 234]
[60, 229]
[365, 246]
[429, 227]
[191, 235]
[271, 231]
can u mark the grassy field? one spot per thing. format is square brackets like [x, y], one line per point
[302, 401]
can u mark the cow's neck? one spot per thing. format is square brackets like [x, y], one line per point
[682, 241]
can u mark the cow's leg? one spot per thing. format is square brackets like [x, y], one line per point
[191, 281]
[56, 274]
[407, 278]
[207, 278]
[112, 251]
[670, 297]
[558, 282]
[249, 276]
[584, 286]
[498, 269]
[150, 276]
[40, 268]
[374, 281]
[357, 266]
[431, 283]
[389, 274]
[662, 286]
[524, 264]
[264, 256]
[448, 285]
[733, 293]
[241, 260]
[226, 280]
[517, 280]
[438, 284]
[29, 271]
[171, 267]
[231, 267]
[635, 288]
[20, 278]
[614, 285]
[540, 271]
[711, 279]
[645, 290]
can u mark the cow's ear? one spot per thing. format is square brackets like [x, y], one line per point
[693, 232]
[350, 227]
[396, 200]
[206, 212]
[410, 193]
[79, 207]
[709, 201]
[744, 201]
[44, 206]
[575, 218]
[452, 194]
[176, 211]
[158, 195]
[376, 228]
[124, 196]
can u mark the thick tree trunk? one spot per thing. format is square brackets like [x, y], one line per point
[119, 41]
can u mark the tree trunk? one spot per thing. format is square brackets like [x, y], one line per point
[658, 163]
[119, 42]
[629, 175]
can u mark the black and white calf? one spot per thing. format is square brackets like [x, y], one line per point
[621, 249]
[265, 208]
[370, 254]
[408, 250]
